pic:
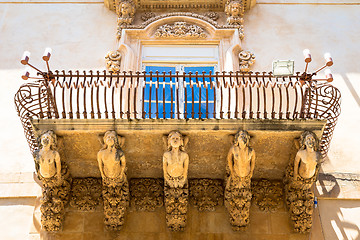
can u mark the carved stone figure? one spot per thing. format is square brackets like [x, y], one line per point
[125, 11]
[234, 11]
[56, 182]
[175, 166]
[301, 173]
[246, 60]
[115, 191]
[241, 164]
[113, 61]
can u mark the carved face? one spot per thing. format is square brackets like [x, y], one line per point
[235, 9]
[110, 138]
[309, 141]
[125, 9]
[46, 139]
[175, 140]
[242, 139]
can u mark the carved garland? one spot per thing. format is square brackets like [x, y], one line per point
[180, 30]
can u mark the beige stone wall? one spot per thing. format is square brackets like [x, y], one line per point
[80, 33]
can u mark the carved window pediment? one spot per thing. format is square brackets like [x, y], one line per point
[180, 30]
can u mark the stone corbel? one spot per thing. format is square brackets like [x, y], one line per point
[246, 60]
[56, 182]
[176, 192]
[115, 187]
[113, 60]
[301, 174]
[238, 181]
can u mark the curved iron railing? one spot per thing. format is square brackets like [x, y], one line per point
[127, 95]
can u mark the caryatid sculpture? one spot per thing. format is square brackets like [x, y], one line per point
[300, 176]
[55, 179]
[175, 167]
[241, 164]
[234, 11]
[112, 165]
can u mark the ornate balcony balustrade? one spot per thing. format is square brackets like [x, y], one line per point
[127, 95]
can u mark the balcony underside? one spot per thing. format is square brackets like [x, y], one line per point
[209, 142]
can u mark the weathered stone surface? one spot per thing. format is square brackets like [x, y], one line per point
[206, 194]
[85, 193]
[146, 194]
[267, 195]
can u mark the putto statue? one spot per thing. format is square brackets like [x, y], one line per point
[175, 167]
[125, 11]
[112, 167]
[240, 169]
[55, 179]
[234, 11]
[300, 176]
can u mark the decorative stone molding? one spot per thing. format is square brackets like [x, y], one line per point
[56, 182]
[175, 167]
[299, 178]
[113, 61]
[267, 195]
[240, 168]
[234, 10]
[125, 10]
[180, 30]
[85, 193]
[185, 14]
[212, 15]
[146, 194]
[246, 60]
[115, 190]
[146, 16]
[206, 194]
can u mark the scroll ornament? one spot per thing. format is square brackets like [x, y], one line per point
[113, 61]
[246, 60]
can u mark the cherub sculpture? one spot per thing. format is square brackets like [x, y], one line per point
[47, 159]
[234, 12]
[175, 161]
[241, 160]
[111, 159]
[125, 11]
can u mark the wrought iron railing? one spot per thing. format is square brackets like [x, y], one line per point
[127, 95]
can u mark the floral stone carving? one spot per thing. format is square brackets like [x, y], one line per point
[146, 16]
[113, 61]
[115, 189]
[234, 10]
[125, 10]
[206, 194]
[180, 30]
[240, 168]
[212, 15]
[85, 193]
[176, 192]
[268, 195]
[246, 60]
[299, 178]
[146, 193]
[56, 182]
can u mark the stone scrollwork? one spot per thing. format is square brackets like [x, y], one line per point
[240, 168]
[234, 10]
[146, 193]
[299, 178]
[113, 59]
[86, 193]
[180, 30]
[246, 60]
[212, 15]
[56, 182]
[148, 15]
[115, 187]
[206, 194]
[176, 192]
[268, 195]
